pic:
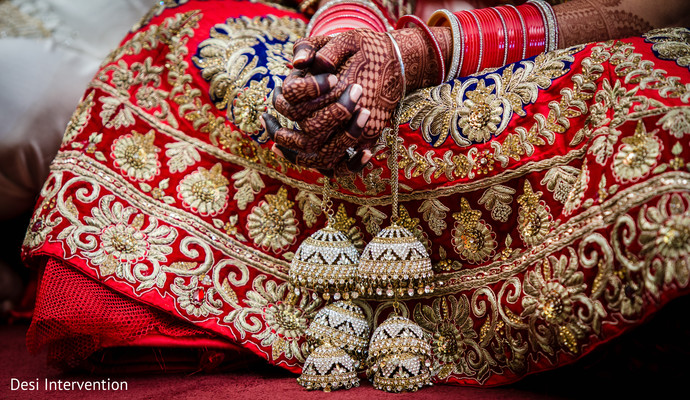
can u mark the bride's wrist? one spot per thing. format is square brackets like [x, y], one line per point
[419, 57]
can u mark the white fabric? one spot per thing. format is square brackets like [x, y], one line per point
[42, 80]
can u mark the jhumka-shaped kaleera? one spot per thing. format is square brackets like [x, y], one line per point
[328, 368]
[326, 261]
[343, 324]
[396, 335]
[399, 356]
[394, 263]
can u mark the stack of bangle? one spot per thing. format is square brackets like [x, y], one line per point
[338, 16]
[493, 37]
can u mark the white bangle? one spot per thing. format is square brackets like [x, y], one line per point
[458, 41]
[400, 60]
[550, 24]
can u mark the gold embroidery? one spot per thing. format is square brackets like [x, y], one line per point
[486, 110]
[454, 341]
[136, 156]
[181, 155]
[248, 183]
[346, 224]
[671, 44]
[553, 290]
[195, 299]
[665, 235]
[284, 317]
[310, 204]
[637, 155]
[272, 224]
[577, 194]
[560, 181]
[497, 199]
[677, 122]
[117, 238]
[473, 239]
[534, 220]
[228, 59]
[371, 218]
[79, 119]
[434, 212]
[158, 193]
[204, 191]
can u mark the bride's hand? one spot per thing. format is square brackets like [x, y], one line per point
[324, 91]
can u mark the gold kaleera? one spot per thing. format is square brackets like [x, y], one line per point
[326, 261]
[328, 368]
[395, 263]
[344, 325]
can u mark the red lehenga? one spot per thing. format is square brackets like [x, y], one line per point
[553, 195]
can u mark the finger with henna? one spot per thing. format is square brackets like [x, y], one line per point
[301, 89]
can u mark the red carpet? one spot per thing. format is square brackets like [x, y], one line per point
[651, 360]
[261, 382]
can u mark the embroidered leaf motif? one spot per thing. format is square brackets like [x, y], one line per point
[434, 212]
[372, 218]
[182, 155]
[310, 204]
[248, 183]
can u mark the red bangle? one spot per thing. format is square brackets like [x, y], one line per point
[490, 28]
[535, 29]
[502, 36]
[472, 39]
[360, 11]
[517, 33]
[415, 20]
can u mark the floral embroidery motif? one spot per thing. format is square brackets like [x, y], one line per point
[480, 114]
[666, 235]
[560, 181]
[195, 299]
[637, 155]
[434, 212]
[497, 199]
[473, 239]
[677, 122]
[79, 118]
[534, 220]
[124, 239]
[475, 115]
[205, 191]
[136, 156]
[272, 224]
[454, 341]
[286, 317]
[552, 291]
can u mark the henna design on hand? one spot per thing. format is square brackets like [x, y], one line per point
[359, 56]
[589, 21]
[329, 158]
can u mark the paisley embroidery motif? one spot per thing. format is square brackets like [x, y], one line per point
[671, 44]
[473, 111]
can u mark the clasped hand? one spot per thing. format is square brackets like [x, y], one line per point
[342, 93]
